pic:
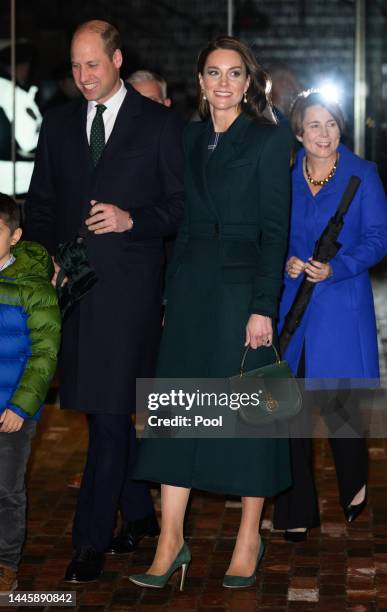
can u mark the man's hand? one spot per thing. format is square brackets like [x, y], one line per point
[10, 421]
[105, 218]
[259, 331]
[295, 267]
[316, 271]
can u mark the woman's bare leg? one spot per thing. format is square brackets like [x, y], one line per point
[244, 557]
[173, 506]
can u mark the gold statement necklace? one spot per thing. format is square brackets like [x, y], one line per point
[317, 183]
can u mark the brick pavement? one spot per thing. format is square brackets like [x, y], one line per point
[338, 569]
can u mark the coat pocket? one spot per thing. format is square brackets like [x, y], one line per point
[138, 152]
[240, 253]
[239, 162]
[238, 274]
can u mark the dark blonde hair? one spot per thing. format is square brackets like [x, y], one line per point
[108, 32]
[258, 103]
[314, 98]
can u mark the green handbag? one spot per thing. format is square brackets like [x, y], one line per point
[276, 388]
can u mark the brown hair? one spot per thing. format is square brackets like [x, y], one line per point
[258, 103]
[313, 98]
[108, 32]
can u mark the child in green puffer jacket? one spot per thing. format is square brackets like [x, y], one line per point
[29, 343]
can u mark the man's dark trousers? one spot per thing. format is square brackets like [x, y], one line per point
[107, 484]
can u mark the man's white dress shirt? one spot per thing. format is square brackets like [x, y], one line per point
[109, 116]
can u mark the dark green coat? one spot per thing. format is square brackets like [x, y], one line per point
[228, 263]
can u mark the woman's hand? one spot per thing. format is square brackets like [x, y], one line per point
[316, 271]
[259, 331]
[295, 267]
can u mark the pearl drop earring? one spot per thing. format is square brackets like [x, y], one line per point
[245, 98]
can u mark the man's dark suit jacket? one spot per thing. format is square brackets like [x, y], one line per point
[112, 335]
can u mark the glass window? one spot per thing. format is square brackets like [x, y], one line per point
[302, 44]
[20, 116]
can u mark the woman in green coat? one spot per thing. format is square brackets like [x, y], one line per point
[223, 287]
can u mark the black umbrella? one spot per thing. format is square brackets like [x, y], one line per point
[325, 249]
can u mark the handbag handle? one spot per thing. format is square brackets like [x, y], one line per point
[277, 357]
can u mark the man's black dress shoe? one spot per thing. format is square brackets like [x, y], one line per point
[353, 510]
[132, 533]
[86, 565]
[296, 536]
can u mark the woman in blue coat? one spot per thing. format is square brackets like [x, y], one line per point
[337, 335]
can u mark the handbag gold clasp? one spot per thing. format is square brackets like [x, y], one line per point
[271, 403]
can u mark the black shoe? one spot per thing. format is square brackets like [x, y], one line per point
[296, 536]
[353, 510]
[132, 533]
[86, 565]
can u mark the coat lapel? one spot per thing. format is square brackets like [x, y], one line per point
[198, 162]
[124, 126]
[78, 158]
[207, 169]
[332, 188]
[81, 155]
[228, 150]
[229, 145]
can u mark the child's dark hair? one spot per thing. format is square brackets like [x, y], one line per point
[9, 212]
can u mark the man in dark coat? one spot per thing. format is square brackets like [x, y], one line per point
[112, 158]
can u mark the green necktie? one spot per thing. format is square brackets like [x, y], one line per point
[97, 134]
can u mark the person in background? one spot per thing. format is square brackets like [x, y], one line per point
[337, 335]
[29, 343]
[66, 88]
[223, 286]
[109, 162]
[285, 88]
[150, 85]
[25, 53]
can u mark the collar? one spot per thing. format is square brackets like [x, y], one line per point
[8, 263]
[298, 170]
[112, 104]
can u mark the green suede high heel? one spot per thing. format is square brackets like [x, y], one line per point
[182, 560]
[238, 582]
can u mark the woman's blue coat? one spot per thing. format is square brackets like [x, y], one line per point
[338, 328]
